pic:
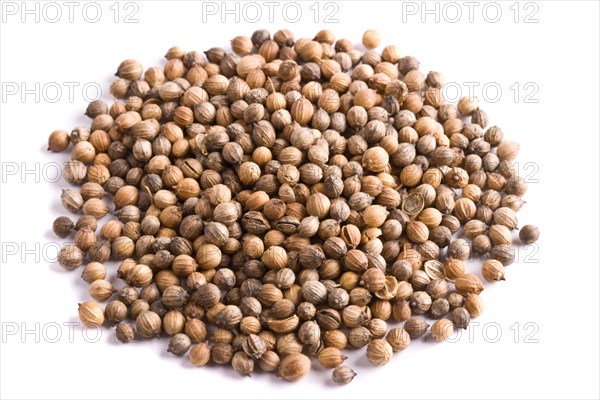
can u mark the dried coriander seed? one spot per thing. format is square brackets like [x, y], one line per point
[179, 344]
[294, 367]
[70, 257]
[492, 270]
[91, 314]
[125, 332]
[342, 375]
[371, 39]
[242, 364]
[461, 318]
[398, 338]
[63, 226]
[100, 290]
[441, 330]
[529, 234]
[416, 327]
[379, 352]
[58, 141]
[331, 357]
[148, 324]
[199, 354]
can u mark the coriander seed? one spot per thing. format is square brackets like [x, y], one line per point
[179, 344]
[91, 314]
[125, 332]
[242, 364]
[441, 330]
[199, 354]
[294, 367]
[379, 352]
[342, 375]
[63, 226]
[529, 234]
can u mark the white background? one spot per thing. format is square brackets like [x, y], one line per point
[541, 325]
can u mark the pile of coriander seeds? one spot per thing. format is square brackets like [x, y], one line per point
[287, 200]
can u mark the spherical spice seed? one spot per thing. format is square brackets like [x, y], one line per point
[70, 257]
[179, 344]
[58, 141]
[371, 39]
[529, 234]
[242, 364]
[343, 375]
[379, 352]
[295, 187]
[125, 332]
[294, 367]
[148, 324]
[441, 330]
[91, 314]
[492, 270]
[199, 354]
[63, 226]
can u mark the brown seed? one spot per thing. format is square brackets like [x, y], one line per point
[468, 284]
[529, 234]
[100, 290]
[417, 231]
[70, 257]
[199, 354]
[398, 338]
[148, 324]
[275, 257]
[294, 367]
[492, 270]
[371, 39]
[331, 357]
[379, 352]
[342, 375]
[441, 330]
[58, 141]
[91, 314]
[130, 70]
[474, 305]
[375, 159]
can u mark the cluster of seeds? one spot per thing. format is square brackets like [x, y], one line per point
[287, 200]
